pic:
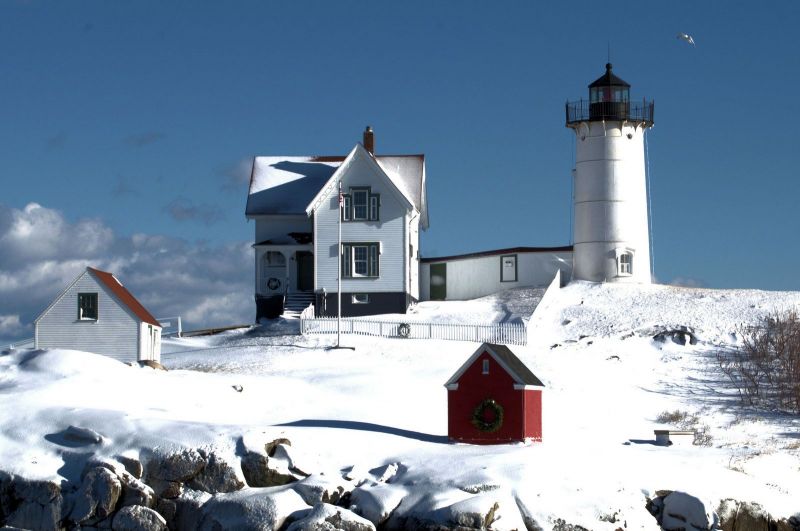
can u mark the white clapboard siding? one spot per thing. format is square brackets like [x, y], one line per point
[114, 334]
[389, 231]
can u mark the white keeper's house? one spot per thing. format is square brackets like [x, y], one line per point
[296, 204]
[296, 207]
[96, 313]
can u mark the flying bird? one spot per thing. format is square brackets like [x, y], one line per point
[686, 37]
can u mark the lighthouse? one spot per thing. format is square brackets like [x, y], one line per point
[611, 235]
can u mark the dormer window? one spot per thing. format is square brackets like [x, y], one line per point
[361, 205]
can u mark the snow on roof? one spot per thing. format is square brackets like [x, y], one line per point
[286, 185]
[124, 296]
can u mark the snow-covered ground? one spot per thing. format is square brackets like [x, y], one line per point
[384, 402]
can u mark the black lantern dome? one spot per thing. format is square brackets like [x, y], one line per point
[609, 99]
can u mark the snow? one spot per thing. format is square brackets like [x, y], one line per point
[379, 412]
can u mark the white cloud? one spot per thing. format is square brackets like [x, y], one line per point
[10, 325]
[207, 285]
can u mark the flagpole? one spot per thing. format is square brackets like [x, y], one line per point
[339, 274]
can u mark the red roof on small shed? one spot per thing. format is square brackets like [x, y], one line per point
[124, 296]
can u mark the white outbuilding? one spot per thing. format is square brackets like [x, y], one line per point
[96, 313]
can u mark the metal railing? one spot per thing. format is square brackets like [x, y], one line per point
[585, 111]
[500, 333]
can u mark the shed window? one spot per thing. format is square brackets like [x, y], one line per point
[485, 366]
[87, 306]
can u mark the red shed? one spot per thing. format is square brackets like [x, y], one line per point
[494, 398]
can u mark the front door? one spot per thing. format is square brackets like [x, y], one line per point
[439, 281]
[305, 271]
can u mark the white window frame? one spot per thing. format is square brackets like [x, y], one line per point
[371, 205]
[625, 264]
[371, 259]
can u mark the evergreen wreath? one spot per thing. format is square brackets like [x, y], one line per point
[479, 421]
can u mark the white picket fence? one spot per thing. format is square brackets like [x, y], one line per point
[506, 334]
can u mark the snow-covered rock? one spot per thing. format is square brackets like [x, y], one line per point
[326, 517]
[256, 509]
[138, 518]
[179, 466]
[37, 504]
[217, 475]
[97, 496]
[376, 502]
[684, 512]
[319, 488]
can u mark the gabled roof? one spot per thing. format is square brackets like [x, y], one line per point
[358, 152]
[287, 185]
[115, 286]
[124, 296]
[518, 371]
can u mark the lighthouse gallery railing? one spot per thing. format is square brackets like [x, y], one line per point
[585, 111]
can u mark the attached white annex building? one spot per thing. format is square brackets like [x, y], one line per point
[295, 202]
[96, 313]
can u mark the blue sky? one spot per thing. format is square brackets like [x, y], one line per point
[141, 117]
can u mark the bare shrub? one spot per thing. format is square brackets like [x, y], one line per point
[765, 369]
[676, 417]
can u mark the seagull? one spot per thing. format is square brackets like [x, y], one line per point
[686, 37]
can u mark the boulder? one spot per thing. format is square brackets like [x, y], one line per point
[97, 495]
[385, 473]
[748, 516]
[684, 512]
[376, 502]
[263, 471]
[82, 436]
[132, 465]
[253, 509]
[166, 489]
[216, 476]
[184, 512]
[562, 525]
[319, 488]
[138, 518]
[38, 504]
[325, 517]
[134, 491]
[180, 466]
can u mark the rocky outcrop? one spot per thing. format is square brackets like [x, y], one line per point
[376, 502]
[33, 504]
[272, 467]
[318, 488]
[216, 476]
[325, 517]
[748, 516]
[97, 496]
[138, 518]
[255, 509]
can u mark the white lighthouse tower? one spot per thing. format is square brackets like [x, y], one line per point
[610, 230]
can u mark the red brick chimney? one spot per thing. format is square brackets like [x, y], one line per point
[369, 140]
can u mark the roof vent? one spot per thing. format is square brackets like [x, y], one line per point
[369, 140]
